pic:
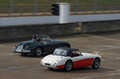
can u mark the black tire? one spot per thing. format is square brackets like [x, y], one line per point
[96, 63]
[23, 54]
[50, 68]
[68, 65]
[67, 45]
[38, 52]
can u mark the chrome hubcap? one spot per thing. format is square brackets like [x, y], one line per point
[38, 51]
[69, 66]
[97, 63]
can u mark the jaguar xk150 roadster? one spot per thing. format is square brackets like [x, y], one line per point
[39, 44]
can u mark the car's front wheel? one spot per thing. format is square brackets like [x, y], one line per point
[68, 65]
[23, 54]
[96, 63]
[38, 52]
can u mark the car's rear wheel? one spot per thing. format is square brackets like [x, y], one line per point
[38, 52]
[96, 63]
[68, 65]
[23, 54]
[67, 45]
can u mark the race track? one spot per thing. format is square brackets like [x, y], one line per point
[15, 66]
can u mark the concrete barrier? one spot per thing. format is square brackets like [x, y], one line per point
[20, 32]
[26, 31]
[100, 26]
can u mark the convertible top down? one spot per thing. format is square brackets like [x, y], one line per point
[68, 58]
[39, 44]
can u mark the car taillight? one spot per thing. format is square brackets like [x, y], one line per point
[26, 46]
[15, 45]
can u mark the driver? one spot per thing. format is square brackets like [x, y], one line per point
[35, 37]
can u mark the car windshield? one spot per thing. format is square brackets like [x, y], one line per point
[60, 52]
[43, 38]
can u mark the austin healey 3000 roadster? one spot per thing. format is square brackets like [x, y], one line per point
[69, 58]
[39, 44]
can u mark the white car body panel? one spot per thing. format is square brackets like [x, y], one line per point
[58, 62]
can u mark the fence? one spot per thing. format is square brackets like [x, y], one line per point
[43, 7]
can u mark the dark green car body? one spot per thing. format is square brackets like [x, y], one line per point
[29, 47]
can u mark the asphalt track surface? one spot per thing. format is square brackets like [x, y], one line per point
[15, 66]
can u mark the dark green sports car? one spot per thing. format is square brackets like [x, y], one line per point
[39, 44]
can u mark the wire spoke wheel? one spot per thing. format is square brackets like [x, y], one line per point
[96, 64]
[68, 65]
[38, 52]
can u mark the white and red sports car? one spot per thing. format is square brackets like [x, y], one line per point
[68, 58]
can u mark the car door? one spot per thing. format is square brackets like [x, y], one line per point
[84, 61]
[80, 60]
[87, 61]
[77, 61]
[50, 46]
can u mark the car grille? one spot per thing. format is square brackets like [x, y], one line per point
[19, 48]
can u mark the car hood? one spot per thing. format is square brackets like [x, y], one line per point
[31, 44]
[28, 43]
[52, 58]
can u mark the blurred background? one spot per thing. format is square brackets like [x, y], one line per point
[43, 7]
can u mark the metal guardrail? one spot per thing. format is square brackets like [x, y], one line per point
[43, 8]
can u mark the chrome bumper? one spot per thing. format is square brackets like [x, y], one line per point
[20, 49]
